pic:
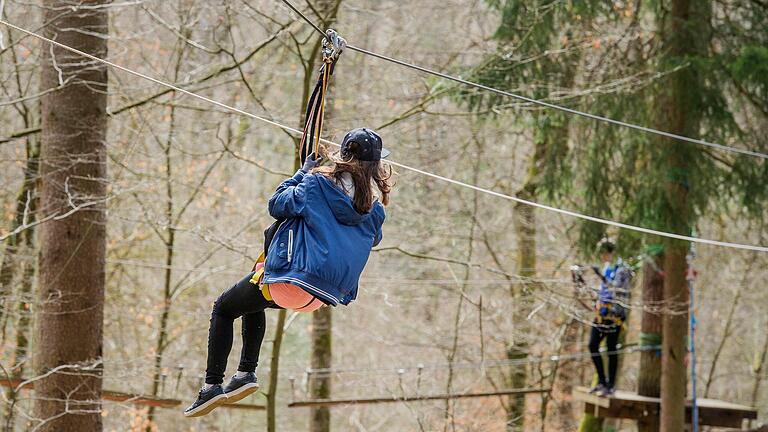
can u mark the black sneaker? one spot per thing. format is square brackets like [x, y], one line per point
[598, 389]
[608, 391]
[207, 401]
[239, 388]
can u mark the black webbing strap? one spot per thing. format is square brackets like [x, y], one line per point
[333, 45]
[313, 119]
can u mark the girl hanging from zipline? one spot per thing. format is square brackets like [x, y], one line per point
[329, 218]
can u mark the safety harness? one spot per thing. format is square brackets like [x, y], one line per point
[613, 312]
[609, 314]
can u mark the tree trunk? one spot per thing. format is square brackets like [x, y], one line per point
[274, 367]
[169, 242]
[551, 139]
[675, 330]
[26, 208]
[21, 352]
[72, 248]
[525, 230]
[757, 371]
[26, 199]
[679, 107]
[320, 384]
[649, 376]
[21, 243]
[162, 337]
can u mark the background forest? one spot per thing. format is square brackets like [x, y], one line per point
[468, 292]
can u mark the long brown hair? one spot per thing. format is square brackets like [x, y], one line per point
[364, 174]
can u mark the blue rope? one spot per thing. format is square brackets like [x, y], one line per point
[691, 275]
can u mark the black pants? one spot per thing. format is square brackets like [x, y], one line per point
[244, 300]
[611, 335]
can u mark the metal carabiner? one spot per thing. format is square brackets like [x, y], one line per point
[333, 45]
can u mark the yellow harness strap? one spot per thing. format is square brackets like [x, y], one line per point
[256, 278]
[611, 315]
[265, 292]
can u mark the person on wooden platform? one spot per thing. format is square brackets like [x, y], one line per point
[610, 314]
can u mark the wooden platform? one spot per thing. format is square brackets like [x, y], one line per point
[116, 396]
[630, 405]
[109, 395]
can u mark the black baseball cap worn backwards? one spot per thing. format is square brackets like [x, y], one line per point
[364, 144]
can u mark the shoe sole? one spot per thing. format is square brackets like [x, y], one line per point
[241, 393]
[207, 407]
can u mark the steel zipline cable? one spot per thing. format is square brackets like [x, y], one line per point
[536, 101]
[757, 248]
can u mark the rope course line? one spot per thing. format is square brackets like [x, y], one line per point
[491, 363]
[757, 248]
[536, 101]
[414, 398]
[293, 370]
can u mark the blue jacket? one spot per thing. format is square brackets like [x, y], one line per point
[324, 243]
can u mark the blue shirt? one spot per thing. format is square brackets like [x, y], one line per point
[605, 293]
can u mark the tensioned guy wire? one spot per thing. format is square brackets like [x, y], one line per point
[536, 101]
[406, 167]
